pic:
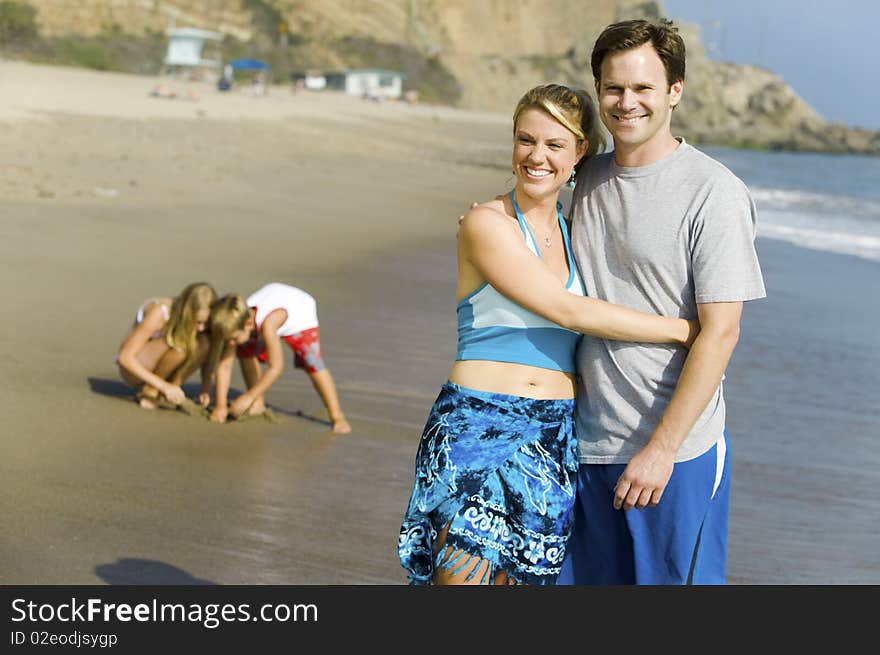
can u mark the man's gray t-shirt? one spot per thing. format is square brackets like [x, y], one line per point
[660, 239]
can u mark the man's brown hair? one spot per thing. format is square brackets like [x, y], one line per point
[626, 35]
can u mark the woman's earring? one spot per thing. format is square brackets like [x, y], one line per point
[571, 179]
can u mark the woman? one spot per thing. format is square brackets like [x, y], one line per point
[166, 344]
[496, 465]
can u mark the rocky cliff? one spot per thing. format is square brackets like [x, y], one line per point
[486, 51]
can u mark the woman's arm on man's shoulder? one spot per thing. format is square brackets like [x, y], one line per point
[500, 255]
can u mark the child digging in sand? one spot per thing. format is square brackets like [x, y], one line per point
[253, 330]
[166, 344]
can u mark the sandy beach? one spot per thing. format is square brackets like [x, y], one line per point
[111, 196]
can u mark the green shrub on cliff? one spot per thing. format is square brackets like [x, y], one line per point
[112, 50]
[88, 54]
[18, 22]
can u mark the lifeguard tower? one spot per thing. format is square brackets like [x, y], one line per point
[184, 56]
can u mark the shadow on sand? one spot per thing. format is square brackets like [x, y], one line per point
[130, 571]
[112, 388]
[120, 390]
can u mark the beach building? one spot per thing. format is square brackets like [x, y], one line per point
[315, 82]
[311, 80]
[185, 50]
[375, 83]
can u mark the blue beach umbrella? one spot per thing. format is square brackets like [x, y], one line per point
[249, 64]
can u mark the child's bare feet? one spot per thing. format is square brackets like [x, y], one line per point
[267, 414]
[147, 400]
[258, 408]
[341, 426]
[146, 403]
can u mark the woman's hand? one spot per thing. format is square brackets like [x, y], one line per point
[219, 415]
[693, 331]
[204, 399]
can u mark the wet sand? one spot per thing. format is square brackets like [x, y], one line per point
[109, 204]
[111, 200]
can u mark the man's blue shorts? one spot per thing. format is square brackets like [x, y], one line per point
[681, 540]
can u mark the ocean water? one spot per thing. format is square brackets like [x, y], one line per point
[801, 388]
[817, 201]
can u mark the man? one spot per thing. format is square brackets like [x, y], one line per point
[660, 227]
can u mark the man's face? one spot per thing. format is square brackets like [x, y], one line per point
[635, 102]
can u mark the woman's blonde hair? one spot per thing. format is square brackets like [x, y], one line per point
[180, 331]
[572, 108]
[228, 314]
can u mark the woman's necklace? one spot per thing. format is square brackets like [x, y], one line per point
[547, 237]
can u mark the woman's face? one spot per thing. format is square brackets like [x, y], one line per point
[544, 153]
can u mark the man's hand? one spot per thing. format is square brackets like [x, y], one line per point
[204, 399]
[647, 474]
[461, 218]
[644, 478]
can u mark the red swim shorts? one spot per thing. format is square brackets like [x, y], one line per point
[306, 347]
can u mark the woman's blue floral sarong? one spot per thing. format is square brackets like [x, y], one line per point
[501, 472]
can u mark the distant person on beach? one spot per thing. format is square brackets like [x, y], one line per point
[252, 330]
[258, 86]
[659, 226]
[166, 344]
[164, 91]
[495, 472]
[226, 79]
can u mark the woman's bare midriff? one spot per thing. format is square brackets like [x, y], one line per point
[513, 379]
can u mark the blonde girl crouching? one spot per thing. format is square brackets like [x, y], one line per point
[166, 344]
